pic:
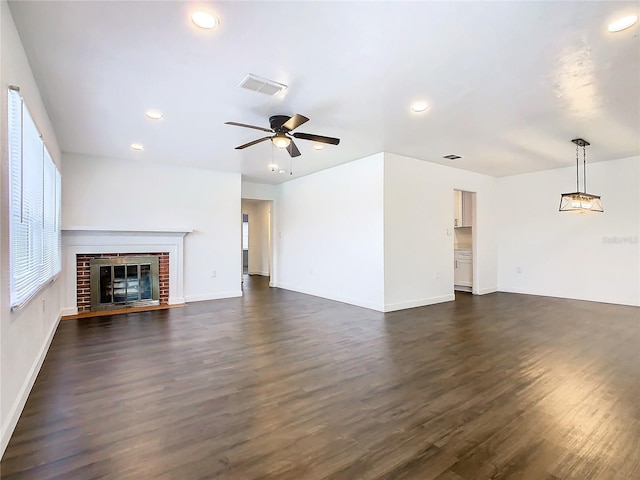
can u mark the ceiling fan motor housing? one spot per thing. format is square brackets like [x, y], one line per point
[277, 121]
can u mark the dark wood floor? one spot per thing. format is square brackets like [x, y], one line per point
[280, 385]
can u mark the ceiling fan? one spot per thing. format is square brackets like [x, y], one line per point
[281, 127]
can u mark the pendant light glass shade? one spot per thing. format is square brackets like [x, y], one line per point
[580, 201]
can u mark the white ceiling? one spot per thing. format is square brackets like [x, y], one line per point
[509, 83]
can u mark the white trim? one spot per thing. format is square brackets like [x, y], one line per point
[422, 302]
[212, 296]
[16, 409]
[335, 298]
[485, 291]
[127, 230]
[520, 291]
[462, 288]
[65, 312]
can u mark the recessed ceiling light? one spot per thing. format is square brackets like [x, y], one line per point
[419, 107]
[154, 115]
[137, 146]
[317, 146]
[204, 20]
[623, 23]
[452, 157]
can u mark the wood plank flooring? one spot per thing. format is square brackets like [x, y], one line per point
[280, 385]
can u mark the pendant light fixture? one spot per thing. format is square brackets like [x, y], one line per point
[580, 201]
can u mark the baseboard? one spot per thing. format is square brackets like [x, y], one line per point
[175, 301]
[69, 311]
[521, 291]
[16, 409]
[264, 274]
[212, 296]
[422, 302]
[335, 298]
[485, 291]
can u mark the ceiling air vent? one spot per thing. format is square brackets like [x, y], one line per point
[452, 157]
[262, 85]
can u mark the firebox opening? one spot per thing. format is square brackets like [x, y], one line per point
[119, 282]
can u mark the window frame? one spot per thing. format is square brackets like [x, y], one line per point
[35, 235]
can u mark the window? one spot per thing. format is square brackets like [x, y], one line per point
[35, 196]
[245, 235]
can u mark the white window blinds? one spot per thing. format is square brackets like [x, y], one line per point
[35, 196]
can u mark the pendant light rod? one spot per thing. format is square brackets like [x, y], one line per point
[581, 142]
[584, 166]
[577, 170]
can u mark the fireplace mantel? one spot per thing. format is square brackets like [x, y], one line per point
[96, 240]
[116, 231]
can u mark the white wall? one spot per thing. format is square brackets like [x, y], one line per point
[259, 191]
[259, 232]
[24, 335]
[108, 193]
[592, 256]
[418, 231]
[330, 233]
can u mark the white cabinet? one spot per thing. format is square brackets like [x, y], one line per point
[463, 268]
[463, 209]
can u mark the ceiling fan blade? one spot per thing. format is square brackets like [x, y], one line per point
[252, 143]
[236, 124]
[293, 150]
[317, 138]
[294, 122]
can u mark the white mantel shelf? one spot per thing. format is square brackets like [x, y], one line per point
[119, 230]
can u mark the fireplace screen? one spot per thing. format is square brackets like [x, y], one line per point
[124, 282]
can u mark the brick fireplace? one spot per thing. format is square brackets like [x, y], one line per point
[82, 244]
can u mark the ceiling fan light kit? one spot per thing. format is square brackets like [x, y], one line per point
[282, 127]
[580, 201]
[280, 140]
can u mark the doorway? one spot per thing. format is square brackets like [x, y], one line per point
[256, 238]
[464, 226]
[245, 244]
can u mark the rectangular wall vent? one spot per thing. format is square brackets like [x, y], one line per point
[452, 157]
[262, 85]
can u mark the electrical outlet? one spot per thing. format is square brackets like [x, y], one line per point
[213, 273]
[436, 276]
[518, 269]
[44, 304]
